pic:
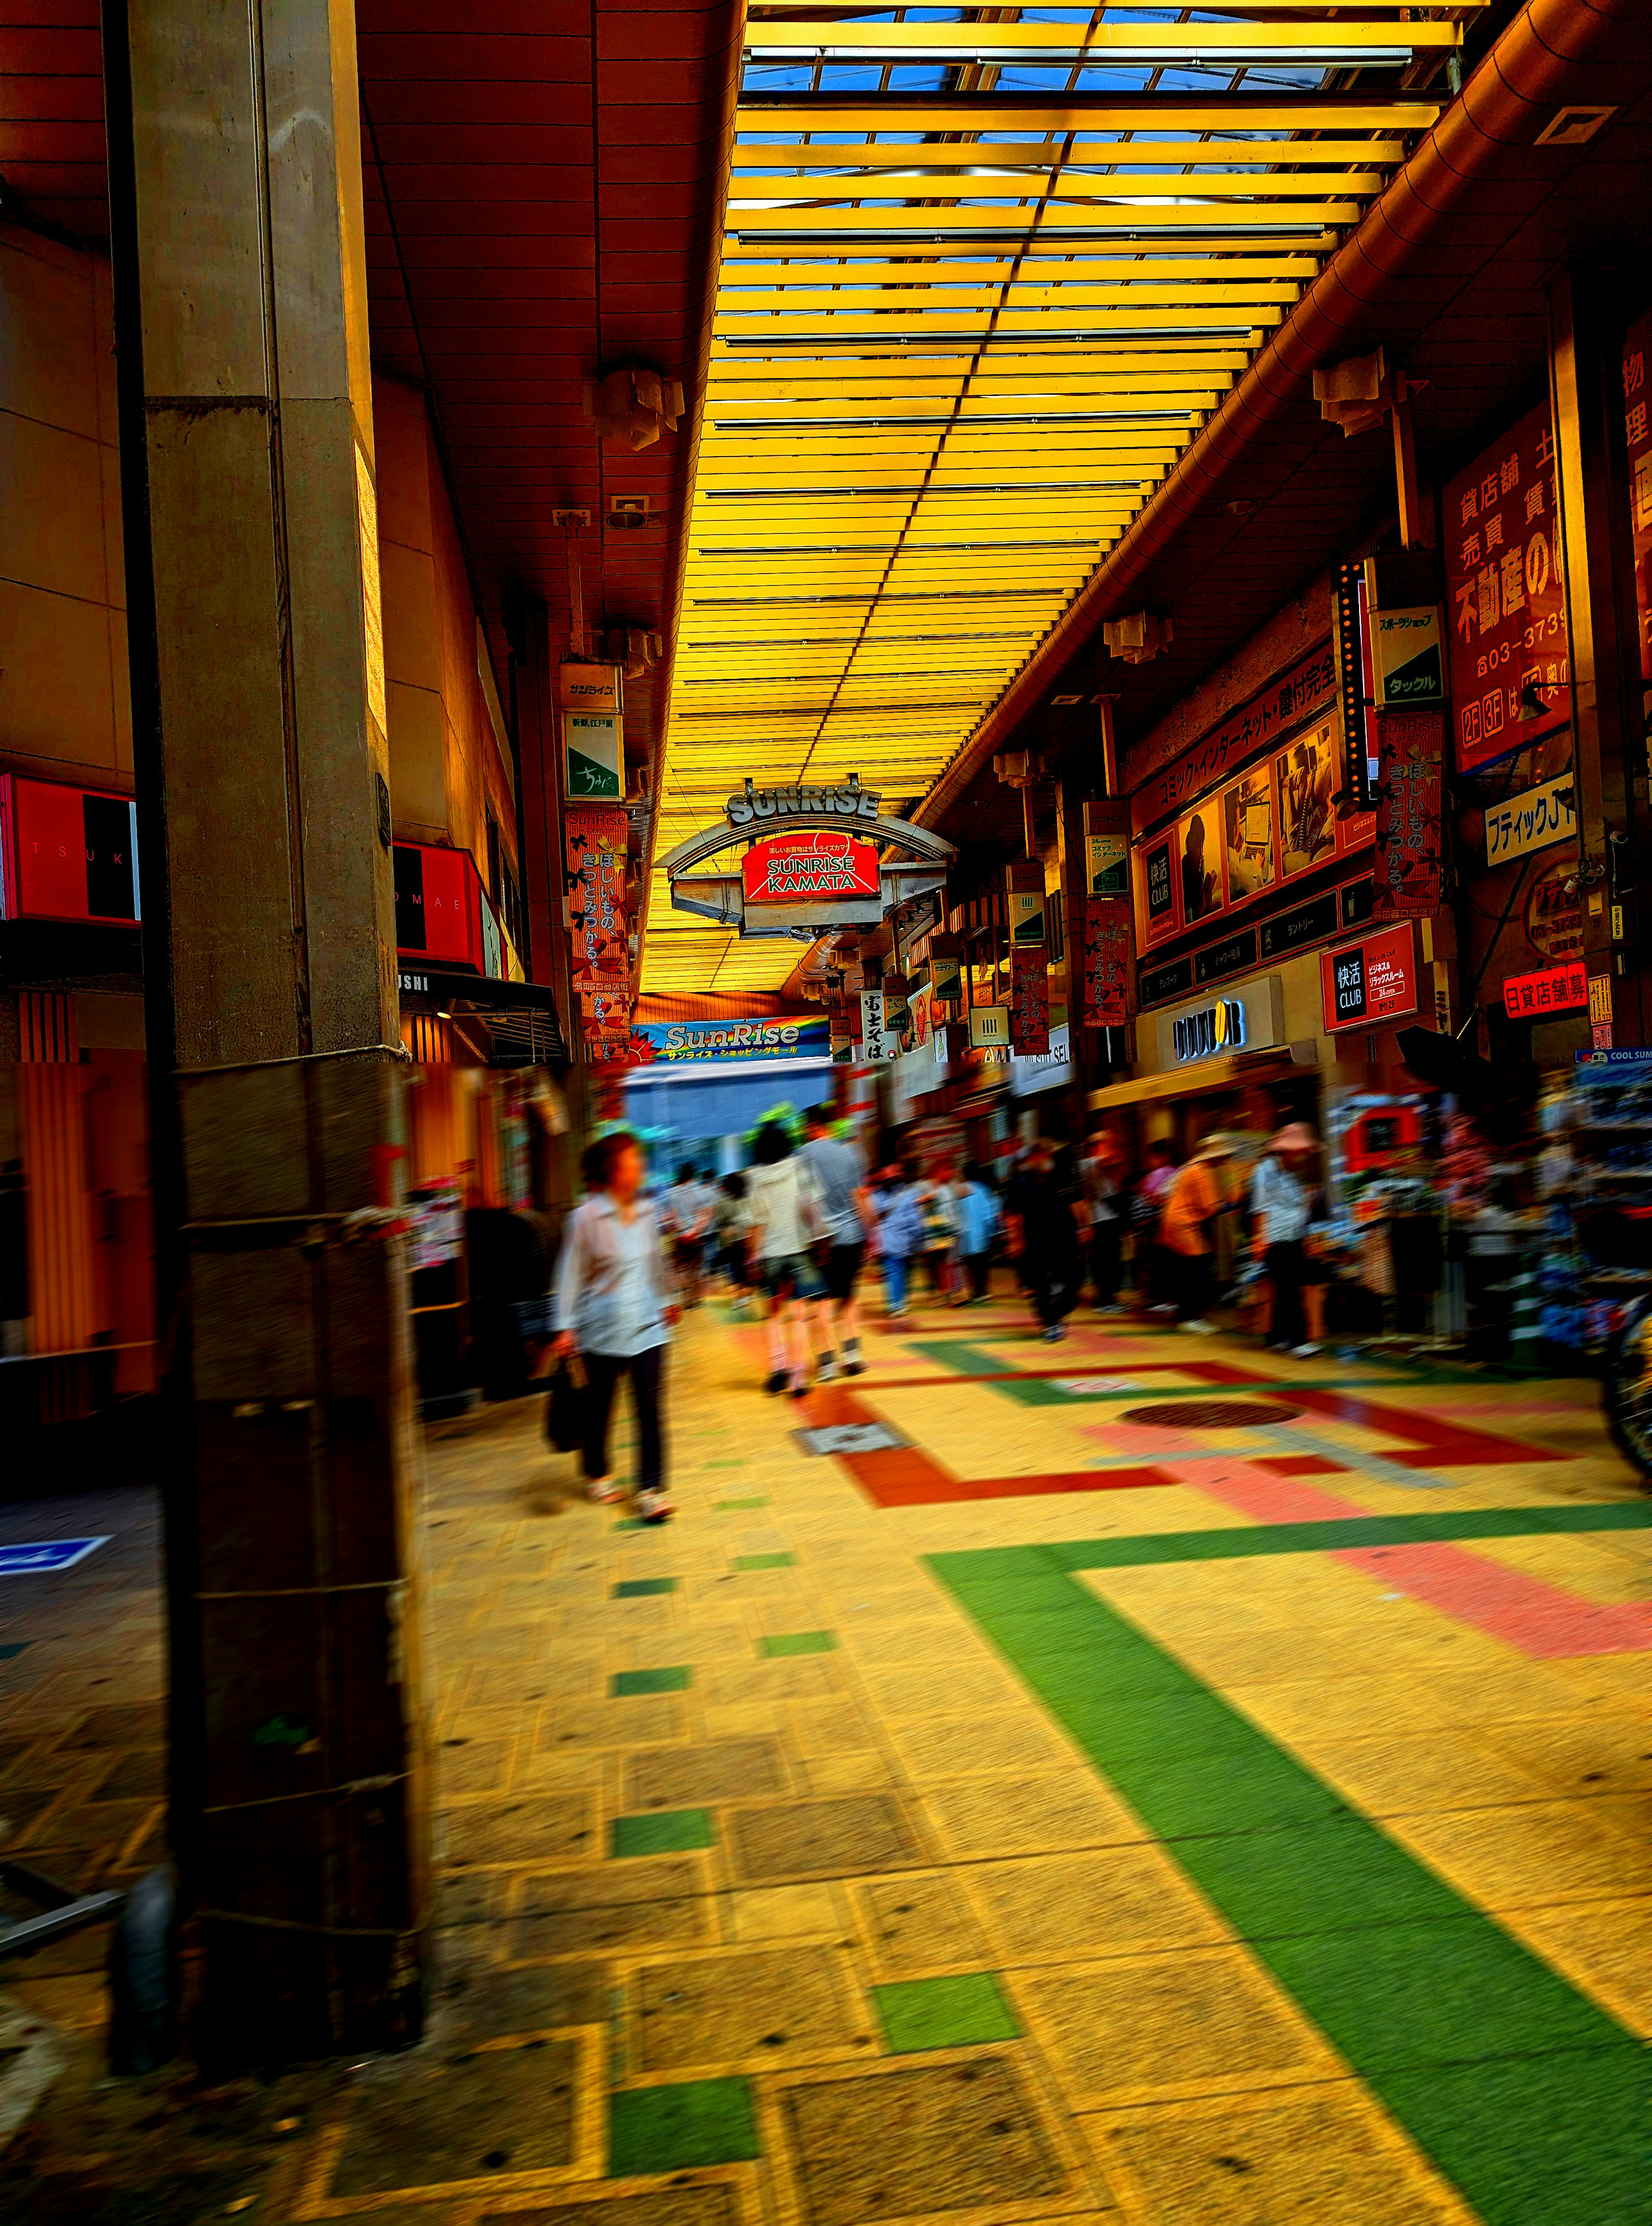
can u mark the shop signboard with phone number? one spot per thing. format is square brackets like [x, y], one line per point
[1367, 984]
[1505, 595]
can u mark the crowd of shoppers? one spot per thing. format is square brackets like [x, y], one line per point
[801, 1225]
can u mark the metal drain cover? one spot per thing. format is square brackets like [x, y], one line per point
[1211, 1415]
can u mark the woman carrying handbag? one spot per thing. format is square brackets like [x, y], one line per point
[616, 1304]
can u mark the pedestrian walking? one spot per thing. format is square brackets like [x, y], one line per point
[979, 1222]
[727, 1239]
[900, 1236]
[783, 1225]
[940, 1228]
[1101, 1177]
[839, 1173]
[1155, 1263]
[1041, 1215]
[615, 1309]
[1193, 1208]
[689, 1205]
[1282, 1203]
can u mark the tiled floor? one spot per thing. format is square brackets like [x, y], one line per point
[1045, 1808]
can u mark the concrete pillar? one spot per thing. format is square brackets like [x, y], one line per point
[298, 1807]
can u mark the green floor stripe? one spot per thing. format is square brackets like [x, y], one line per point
[1526, 2095]
[976, 1363]
[1338, 1534]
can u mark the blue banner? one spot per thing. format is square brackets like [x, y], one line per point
[683, 1043]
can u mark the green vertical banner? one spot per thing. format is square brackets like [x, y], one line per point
[592, 713]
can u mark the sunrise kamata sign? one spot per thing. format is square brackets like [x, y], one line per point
[812, 863]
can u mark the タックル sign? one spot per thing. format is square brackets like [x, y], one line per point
[815, 862]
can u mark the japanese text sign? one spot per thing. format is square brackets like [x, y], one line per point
[1366, 984]
[1029, 1008]
[1531, 822]
[1409, 799]
[1266, 717]
[1556, 989]
[876, 1042]
[1506, 594]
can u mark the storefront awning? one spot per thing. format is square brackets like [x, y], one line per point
[521, 1019]
[1195, 1081]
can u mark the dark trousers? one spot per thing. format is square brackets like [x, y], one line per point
[1105, 1260]
[605, 1370]
[1193, 1280]
[1054, 1284]
[1289, 1325]
[979, 1266]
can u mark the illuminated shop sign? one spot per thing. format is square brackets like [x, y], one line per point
[1219, 1028]
[1555, 990]
[1532, 822]
[786, 868]
[67, 853]
[1370, 982]
[686, 1043]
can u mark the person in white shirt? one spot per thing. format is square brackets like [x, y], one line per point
[615, 1308]
[782, 1222]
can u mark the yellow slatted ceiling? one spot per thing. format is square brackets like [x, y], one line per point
[984, 274]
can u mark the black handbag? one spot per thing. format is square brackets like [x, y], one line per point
[565, 1408]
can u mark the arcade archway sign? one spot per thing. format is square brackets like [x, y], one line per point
[811, 863]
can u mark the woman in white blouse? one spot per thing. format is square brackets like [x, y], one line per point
[615, 1306]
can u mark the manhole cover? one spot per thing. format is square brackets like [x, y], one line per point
[1211, 1415]
[850, 1438]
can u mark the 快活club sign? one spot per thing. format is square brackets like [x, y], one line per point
[810, 863]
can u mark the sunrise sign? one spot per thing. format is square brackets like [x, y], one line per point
[809, 863]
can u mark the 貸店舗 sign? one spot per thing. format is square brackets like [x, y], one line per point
[1505, 595]
[1368, 983]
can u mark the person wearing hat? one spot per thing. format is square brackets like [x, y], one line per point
[1195, 1204]
[1281, 1204]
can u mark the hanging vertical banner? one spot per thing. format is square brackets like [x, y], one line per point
[898, 1011]
[1029, 1003]
[1348, 639]
[946, 969]
[1024, 891]
[594, 883]
[592, 713]
[875, 1041]
[1107, 963]
[1107, 848]
[594, 749]
[1410, 745]
[840, 1023]
[1108, 919]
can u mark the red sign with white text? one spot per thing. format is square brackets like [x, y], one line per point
[812, 863]
[1368, 983]
[1556, 989]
